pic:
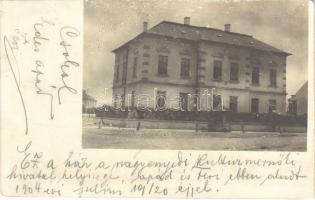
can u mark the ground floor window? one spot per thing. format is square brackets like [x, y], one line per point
[133, 99]
[183, 101]
[161, 100]
[272, 105]
[216, 102]
[255, 105]
[118, 101]
[233, 103]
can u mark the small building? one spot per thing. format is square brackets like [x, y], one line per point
[301, 100]
[88, 102]
[292, 107]
[187, 67]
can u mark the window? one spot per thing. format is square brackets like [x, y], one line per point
[216, 102]
[292, 106]
[116, 68]
[234, 72]
[162, 66]
[124, 73]
[272, 105]
[117, 73]
[183, 101]
[184, 68]
[123, 100]
[115, 101]
[135, 63]
[217, 70]
[233, 103]
[255, 76]
[133, 99]
[255, 105]
[160, 100]
[118, 101]
[273, 77]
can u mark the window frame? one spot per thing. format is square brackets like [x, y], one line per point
[133, 99]
[117, 73]
[234, 66]
[255, 76]
[233, 103]
[185, 106]
[219, 103]
[124, 73]
[135, 66]
[217, 64]
[185, 68]
[252, 105]
[273, 77]
[162, 65]
[272, 105]
[160, 93]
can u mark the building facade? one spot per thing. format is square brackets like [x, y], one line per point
[186, 67]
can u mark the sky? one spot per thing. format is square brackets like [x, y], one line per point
[108, 24]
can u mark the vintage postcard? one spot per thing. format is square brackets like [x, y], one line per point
[157, 98]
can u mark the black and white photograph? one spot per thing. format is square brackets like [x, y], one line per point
[146, 99]
[195, 75]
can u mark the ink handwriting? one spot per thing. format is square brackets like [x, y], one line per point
[14, 68]
[38, 71]
[180, 177]
[66, 33]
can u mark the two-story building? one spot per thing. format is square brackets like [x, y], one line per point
[182, 66]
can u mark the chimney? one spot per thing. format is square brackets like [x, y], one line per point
[227, 27]
[187, 20]
[145, 26]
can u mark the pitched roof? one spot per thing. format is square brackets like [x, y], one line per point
[195, 33]
[302, 88]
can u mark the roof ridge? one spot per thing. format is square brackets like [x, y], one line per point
[203, 27]
[244, 41]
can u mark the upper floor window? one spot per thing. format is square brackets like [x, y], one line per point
[234, 72]
[217, 70]
[124, 73]
[162, 65]
[184, 68]
[117, 73]
[273, 77]
[134, 69]
[255, 76]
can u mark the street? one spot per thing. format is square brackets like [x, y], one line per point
[123, 138]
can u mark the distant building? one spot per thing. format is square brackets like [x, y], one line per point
[301, 100]
[181, 60]
[292, 107]
[88, 102]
